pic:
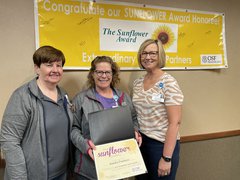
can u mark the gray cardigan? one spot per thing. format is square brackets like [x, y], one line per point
[23, 134]
[84, 103]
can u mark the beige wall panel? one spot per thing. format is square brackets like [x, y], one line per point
[211, 96]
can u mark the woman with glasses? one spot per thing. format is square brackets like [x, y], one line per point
[101, 94]
[158, 100]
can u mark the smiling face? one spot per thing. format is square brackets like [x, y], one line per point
[102, 76]
[150, 57]
[50, 73]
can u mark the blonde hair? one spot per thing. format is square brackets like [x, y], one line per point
[161, 52]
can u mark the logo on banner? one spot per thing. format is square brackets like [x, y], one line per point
[122, 35]
[211, 59]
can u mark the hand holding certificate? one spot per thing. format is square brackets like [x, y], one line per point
[117, 154]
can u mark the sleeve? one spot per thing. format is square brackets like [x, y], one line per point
[14, 124]
[133, 111]
[76, 133]
[172, 92]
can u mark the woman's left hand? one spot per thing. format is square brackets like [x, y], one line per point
[164, 168]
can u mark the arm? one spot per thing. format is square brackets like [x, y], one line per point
[77, 133]
[174, 120]
[14, 123]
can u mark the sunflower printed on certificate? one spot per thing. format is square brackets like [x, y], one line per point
[117, 160]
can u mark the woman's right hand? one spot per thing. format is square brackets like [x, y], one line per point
[138, 137]
[91, 148]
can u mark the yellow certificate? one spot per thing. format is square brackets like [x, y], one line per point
[118, 160]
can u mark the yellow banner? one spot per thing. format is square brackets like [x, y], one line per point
[86, 29]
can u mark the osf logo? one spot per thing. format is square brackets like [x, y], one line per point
[211, 59]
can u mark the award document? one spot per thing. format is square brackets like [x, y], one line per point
[117, 160]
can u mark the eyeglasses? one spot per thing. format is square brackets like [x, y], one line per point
[100, 73]
[152, 54]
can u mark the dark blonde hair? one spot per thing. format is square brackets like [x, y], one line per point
[161, 52]
[114, 67]
[48, 54]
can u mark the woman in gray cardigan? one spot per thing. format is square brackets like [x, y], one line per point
[36, 124]
[101, 94]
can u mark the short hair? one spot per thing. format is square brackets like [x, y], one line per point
[48, 54]
[161, 52]
[114, 67]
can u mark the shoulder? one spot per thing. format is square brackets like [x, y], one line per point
[167, 76]
[20, 99]
[138, 81]
[122, 94]
[169, 80]
[22, 91]
[172, 91]
[80, 95]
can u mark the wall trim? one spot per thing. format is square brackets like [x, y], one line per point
[202, 137]
[184, 139]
